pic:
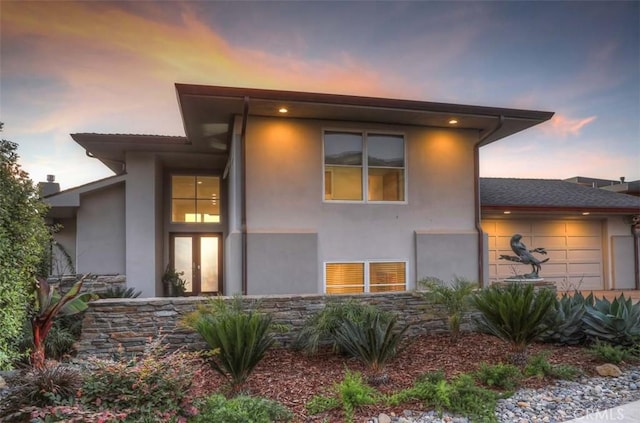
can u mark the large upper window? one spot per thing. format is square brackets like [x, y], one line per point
[366, 276]
[362, 162]
[195, 199]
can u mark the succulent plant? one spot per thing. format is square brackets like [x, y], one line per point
[564, 323]
[616, 322]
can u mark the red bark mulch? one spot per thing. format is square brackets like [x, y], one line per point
[293, 378]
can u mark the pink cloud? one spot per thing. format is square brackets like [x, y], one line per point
[562, 126]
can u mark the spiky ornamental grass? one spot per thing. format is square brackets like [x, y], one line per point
[320, 328]
[515, 314]
[374, 341]
[238, 338]
[454, 297]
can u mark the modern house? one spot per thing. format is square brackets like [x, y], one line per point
[590, 234]
[278, 192]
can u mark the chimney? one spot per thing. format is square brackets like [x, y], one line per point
[50, 187]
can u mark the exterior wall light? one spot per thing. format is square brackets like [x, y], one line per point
[453, 121]
[283, 110]
[507, 212]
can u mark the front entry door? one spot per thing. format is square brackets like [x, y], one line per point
[199, 256]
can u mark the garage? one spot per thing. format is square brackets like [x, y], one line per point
[574, 250]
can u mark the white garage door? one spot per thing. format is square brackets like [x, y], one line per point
[574, 250]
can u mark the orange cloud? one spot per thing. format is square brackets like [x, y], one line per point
[114, 65]
[563, 126]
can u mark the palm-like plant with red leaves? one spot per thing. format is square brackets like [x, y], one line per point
[49, 304]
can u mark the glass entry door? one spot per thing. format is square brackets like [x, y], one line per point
[199, 256]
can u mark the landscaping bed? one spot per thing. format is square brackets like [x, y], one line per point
[293, 378]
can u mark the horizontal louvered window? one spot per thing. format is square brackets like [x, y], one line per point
[365, 276]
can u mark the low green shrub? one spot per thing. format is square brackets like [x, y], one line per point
[539, 366]
[354, 392]
[504, 376]
[321, 403]
[320, 328]
[374, 341]
[461, 396]
[608, 353]
[351, 393]
[454, 297]
[241, 409]
[149, 388]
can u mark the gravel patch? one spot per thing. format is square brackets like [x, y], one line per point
[564, 400]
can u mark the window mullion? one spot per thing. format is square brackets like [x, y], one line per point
[366, 276]
[365, 169]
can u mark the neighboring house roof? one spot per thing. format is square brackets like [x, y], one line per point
[552, 194]
[64, 203]
[208, 111]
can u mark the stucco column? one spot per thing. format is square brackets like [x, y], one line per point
[142, 202]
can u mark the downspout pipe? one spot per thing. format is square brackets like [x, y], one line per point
[476, 197]
[635, 231]
[243, 193]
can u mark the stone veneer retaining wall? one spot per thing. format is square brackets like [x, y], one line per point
[92, 283]
[124, 326]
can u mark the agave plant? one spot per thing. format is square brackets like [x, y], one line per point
[565, 324]
[616, 322]
[238, 338]
[515, 313]
[373, 341]
[50, 304]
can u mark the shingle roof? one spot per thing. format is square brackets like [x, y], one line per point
[552, 194]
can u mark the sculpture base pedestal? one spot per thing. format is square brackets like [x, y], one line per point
[538, 283]
[525, 280]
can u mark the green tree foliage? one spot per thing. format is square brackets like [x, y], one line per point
[23, 237]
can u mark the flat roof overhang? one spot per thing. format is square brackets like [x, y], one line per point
[111, 149]
[208, 112]
[593, 210]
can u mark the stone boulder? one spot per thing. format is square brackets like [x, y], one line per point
[608, 369]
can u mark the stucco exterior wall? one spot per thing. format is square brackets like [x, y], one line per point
[620, 253]
[282, 263]
[285, 194]
[100, 233]
[141, 231]
[447, 255]
[66, 238]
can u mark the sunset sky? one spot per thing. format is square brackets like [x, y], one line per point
[110, 67]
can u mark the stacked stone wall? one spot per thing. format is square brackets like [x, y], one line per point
[116, 327]
[92, 283]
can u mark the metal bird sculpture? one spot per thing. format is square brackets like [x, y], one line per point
[524, 256]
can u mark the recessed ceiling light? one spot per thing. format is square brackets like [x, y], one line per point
[283, 110]
[507, 212]
[586, 213]
[453, 121]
